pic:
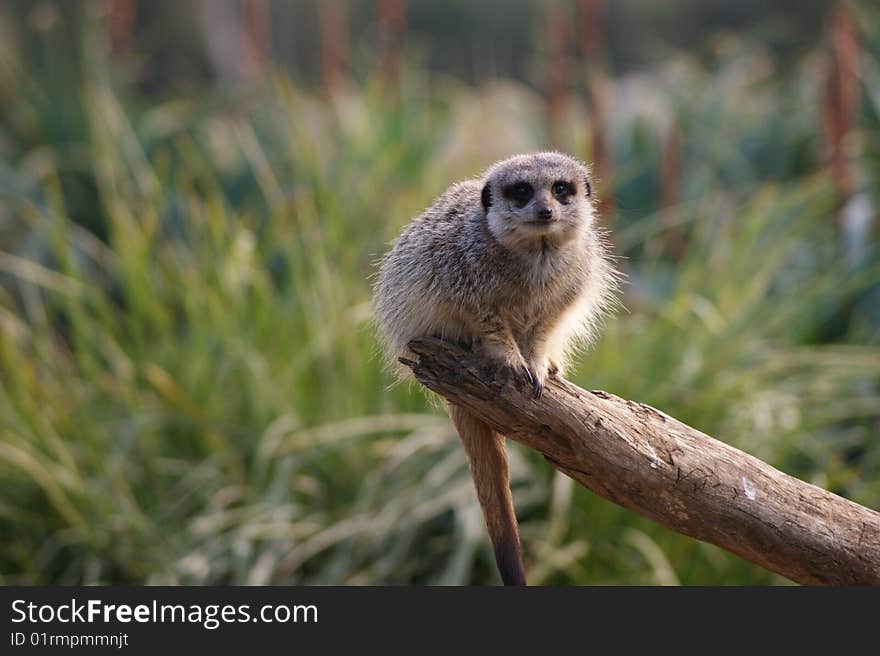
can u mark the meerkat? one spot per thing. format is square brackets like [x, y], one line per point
[511, 263]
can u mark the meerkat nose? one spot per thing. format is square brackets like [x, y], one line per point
[544, 212]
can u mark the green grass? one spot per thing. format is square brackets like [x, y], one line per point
[196, 396]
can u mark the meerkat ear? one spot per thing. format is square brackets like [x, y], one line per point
[486, 196]
[588, 191]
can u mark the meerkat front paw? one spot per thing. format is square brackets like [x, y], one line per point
[515, 366]
[522, 372]
[533, 377]
[541, 369]
[532, 372]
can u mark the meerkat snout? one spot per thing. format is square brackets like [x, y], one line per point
[545, 215]
[544, 211]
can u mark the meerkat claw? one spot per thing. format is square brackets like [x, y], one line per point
[537, 387]
[526, 374]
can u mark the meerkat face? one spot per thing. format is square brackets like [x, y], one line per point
[532, 201]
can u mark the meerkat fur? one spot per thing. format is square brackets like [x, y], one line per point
[511, 263]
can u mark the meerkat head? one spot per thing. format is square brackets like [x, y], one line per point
[532, 201]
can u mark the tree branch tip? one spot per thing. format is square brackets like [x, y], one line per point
[423, 345]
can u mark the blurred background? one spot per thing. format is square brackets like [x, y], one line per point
[192, 200]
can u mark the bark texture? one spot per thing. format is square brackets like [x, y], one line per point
[653, 464]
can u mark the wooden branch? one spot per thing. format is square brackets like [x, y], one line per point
[653, 464]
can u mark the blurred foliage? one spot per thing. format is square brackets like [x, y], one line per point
[189, 384]
[473, 41]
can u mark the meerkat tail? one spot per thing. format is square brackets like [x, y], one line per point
[487, 456]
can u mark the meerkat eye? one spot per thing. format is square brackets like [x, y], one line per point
[562, 189]
[520, 192]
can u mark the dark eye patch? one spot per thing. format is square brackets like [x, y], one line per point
[519, 192]
[562, 189]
